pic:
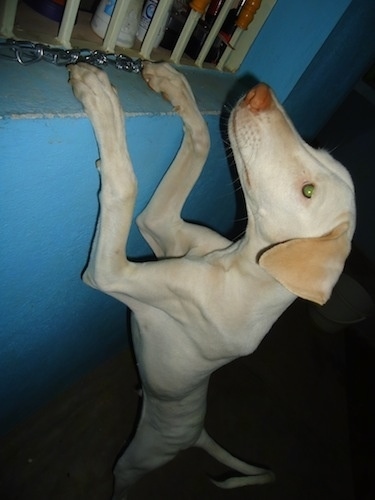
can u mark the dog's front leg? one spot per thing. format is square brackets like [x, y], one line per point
[118, 184]
[161, 223]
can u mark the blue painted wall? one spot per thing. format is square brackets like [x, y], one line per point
[337, 66]
[293, 34]
[52, 327]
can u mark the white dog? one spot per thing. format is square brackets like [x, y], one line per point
[207, 300]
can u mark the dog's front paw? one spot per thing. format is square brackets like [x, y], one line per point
[164, 79]
[87, 82]
[92, 87]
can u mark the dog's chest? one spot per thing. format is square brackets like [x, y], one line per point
[200, 335]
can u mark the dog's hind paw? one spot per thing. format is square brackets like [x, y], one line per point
[238, 482]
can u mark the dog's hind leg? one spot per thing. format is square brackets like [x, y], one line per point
[146, 452]
[166, 426]
[161, 223]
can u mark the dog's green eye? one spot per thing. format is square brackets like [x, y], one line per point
[308, 190]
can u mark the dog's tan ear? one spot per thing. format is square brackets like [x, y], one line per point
[309, 267]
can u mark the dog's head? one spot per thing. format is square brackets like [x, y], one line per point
[300, 201]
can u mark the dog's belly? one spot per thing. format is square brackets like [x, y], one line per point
[169, 365]
[174, 401]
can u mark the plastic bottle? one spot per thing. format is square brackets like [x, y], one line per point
[102, 16]
[147, 14]
[146, 17]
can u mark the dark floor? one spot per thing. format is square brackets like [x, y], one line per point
[286, 407]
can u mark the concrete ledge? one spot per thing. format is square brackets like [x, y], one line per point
[41, 90]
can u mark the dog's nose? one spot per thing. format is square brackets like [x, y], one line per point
[259, 98]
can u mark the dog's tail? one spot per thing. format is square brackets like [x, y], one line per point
[252, 474]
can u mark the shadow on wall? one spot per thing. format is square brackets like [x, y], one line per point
[240, 88]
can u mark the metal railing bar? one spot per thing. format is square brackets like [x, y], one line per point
[8, 11]
[157, 24]
[214, 31]
[67, 24]
[115, 23]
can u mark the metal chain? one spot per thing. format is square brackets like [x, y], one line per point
[25, 53]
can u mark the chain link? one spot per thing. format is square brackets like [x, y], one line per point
[25, 53]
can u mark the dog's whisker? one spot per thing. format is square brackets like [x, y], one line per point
[241, 219]
[333, 149]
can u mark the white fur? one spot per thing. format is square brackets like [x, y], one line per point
[207, 301]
